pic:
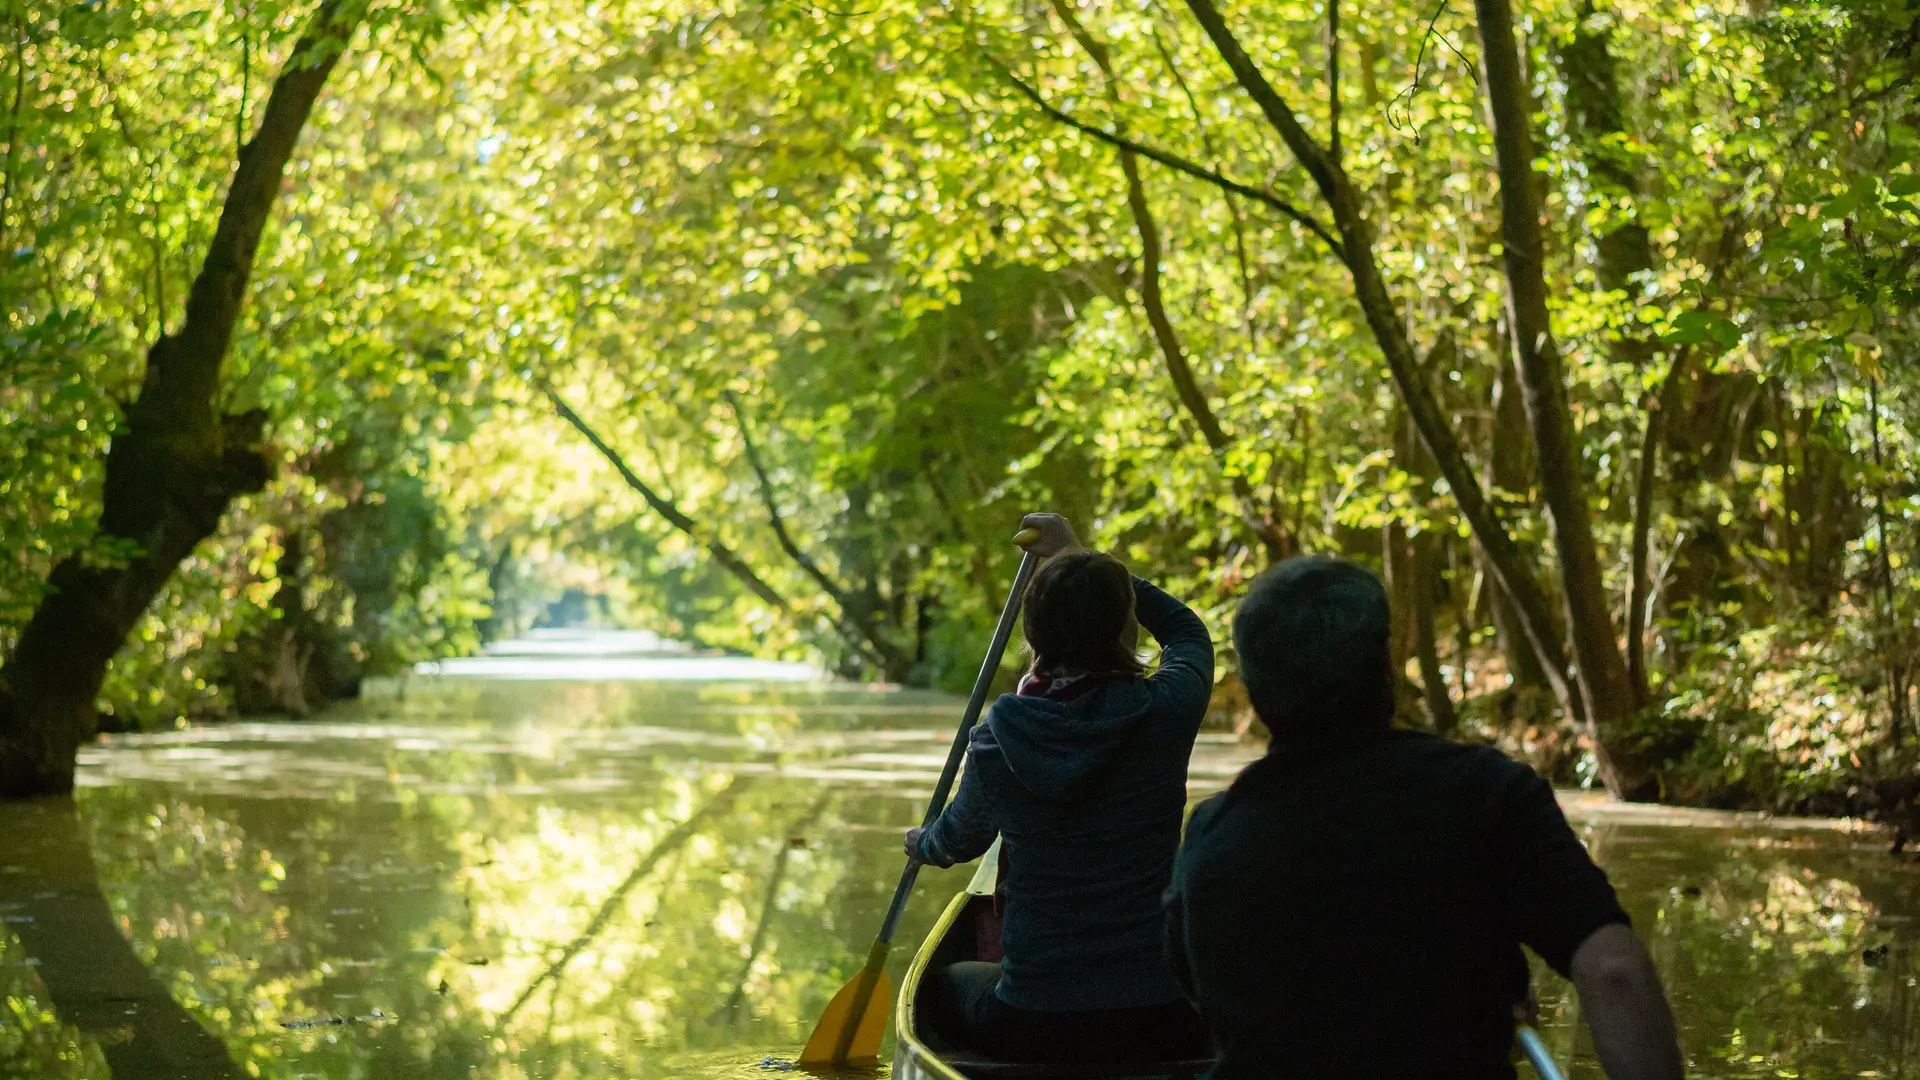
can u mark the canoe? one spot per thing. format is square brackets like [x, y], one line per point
[956, 936]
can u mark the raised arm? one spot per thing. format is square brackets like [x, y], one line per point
[1186, 649]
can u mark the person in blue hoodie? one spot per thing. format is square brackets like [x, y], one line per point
[1083, 773]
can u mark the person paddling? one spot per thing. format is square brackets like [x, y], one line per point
[1082, 772]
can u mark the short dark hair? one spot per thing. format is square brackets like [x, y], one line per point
[1078, 609]
[1312, 639]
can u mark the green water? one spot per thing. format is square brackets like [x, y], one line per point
[502, 878]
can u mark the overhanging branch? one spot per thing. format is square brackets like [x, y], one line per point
[856, 626]
[1173, 161]
[722, 554]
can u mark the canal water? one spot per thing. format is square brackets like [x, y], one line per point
[582, 860]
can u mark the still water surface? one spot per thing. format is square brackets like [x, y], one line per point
[493, 874]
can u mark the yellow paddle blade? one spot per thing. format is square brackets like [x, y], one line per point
[862, 1008]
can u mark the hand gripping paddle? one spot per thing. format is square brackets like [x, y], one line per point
[850, 1029]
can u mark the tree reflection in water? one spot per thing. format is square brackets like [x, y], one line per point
[590, 879]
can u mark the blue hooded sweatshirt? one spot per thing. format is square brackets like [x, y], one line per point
[1088, 796]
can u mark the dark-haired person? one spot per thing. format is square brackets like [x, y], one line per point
[1354, 905]
[1083, 774]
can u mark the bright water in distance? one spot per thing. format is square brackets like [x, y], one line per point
[661, 866]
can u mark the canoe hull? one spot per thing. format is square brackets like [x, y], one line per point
[913, 1059]
[957, 935]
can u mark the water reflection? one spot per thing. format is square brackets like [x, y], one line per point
[1790, 952]
[503, 878]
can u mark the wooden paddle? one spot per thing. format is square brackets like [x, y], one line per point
[850, 1029]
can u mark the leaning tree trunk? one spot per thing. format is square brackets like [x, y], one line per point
[173, 467]
[1606, 689]
[1396, 558]
[1603, 692]
[1416, 559]
[1510, 467]
[1355, 248]
[1390, 332]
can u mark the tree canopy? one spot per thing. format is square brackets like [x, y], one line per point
[848, 289]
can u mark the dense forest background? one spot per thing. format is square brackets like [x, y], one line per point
[760, 322]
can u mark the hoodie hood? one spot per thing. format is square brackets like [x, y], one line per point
[1054, 747]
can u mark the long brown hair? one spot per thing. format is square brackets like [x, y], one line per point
[1078, 610]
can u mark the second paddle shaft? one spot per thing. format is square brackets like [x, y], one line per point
[982, 685]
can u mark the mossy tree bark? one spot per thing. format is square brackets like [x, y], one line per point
[1611, 698]
[173, 467]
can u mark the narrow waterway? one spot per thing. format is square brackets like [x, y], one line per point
[663, 867]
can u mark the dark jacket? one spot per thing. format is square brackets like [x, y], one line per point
[1088, 795]
[1354, 906]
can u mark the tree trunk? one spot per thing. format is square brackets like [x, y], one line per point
[174, 465]
[729, 559]
[1426, 582]
[1396, 558]
[1419, 566]
[1640, 590]
[1511, 470]
[1597, 120]
[1620, 767]
[1608, 693]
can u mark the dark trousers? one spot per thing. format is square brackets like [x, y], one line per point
[964, 1011]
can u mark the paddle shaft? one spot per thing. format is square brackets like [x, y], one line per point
[976, 704]
[1536, 1052]
[883, 941]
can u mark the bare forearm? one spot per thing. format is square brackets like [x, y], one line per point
[1625, 1007]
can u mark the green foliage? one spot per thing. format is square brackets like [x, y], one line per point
[848, 231]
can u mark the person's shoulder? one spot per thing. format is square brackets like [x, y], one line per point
[982, 738]
[1204, 815]
[1254, 786]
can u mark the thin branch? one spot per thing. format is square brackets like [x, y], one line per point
[722, 554]
[13, 127]
[1174, 161]
[1419, 60]
[861, 633]
[1325, 172]
[1641, 589]
[246, 78]
[1896, 666]
[1233, 207]
[1185, 385]
[1333, 80]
